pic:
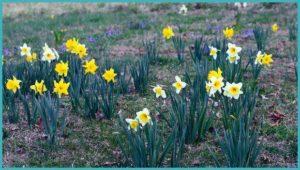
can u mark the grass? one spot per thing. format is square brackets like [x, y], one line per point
[92, 143]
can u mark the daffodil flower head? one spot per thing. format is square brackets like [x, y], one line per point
[13, 84]
[215, 85]
[31, 57]
[159, 91]
[213, 52]
[233, 90]
[179, 85]
[90, 67]
[259, 57]
[168, 32]
[109, 75]
[71, 45]
[275, 27]
[49, 54]
[214, 74]
[267, 60]
[39, 87]
[25, 50]
[132, 124]
[228, 33]
[62, 68]
[183, 10]
[61, 88]
[81, 51]
[233, 50]
[144, 117]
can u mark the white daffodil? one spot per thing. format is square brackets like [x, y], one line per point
[259, 57]
[213, 52]
[179, 85]
[233, 50]
[233, 90]
[215, 85]
[49, 54]
[183, 10]
[159, 91]
[143, 116]
[132, 124]
[25, 50]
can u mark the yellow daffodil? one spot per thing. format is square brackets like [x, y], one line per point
[13, 84]
[49, 54]
[233, 90]
[38, 87]
[61, 88]
[179, 85]
[228, 33]
[275, 27]
[159, 91]
[168, 32]
[144, 116]
[183, 10]
[109, 75]
[90, 67]
[214, 74]
[259, 57]
[62, 68]
[215, 85]
[213, 52]
[71, 45]
[31, 58]
[25, 50]
[133, 124]
[267, 59]
[81, 51]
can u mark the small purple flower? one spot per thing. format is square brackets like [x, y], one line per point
[247, 33]
[6, 52]
[112, 31]
[217, 28]
[62, 48]
[91, 39]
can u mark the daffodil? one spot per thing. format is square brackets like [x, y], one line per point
[71, 45]
[213, 52]
[62, 68]
[233, 90]
[49, 54]
[215, 85]
[179, 85]
[168, 32]
[258, 59]
[61, 88]
[132, 124]
[109, 75]
[81, 51]
[183, 10]
[267, 59]
[25, 50]
[13, 84]
[214, 74]
[31, 58]
[39, 87]
[275, 27]
[159, 91]
[233, 59]
[90, 67]
[144, 116]
[228, 33]
[233, 50]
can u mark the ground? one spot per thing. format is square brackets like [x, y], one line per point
[122, 28]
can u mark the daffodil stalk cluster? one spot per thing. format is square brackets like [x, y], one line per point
[140, 74]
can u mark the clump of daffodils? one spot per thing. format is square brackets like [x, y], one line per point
[13, 84]
[142, 118]
[215, 82]
[168, 32]
[263, 59]
[179, 85]
[49, 54]
[228, 33]
[158, 90]
[233, 53]
[62, 68]
[61, 88]
[31, 57]
[39, 87]
[26, 51]
[233, 90]
[73, 46]
[275, 27]
[109, 75]
[90, 67]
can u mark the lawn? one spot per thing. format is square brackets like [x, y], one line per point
[119, 30]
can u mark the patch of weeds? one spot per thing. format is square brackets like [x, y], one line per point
[281, 132]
